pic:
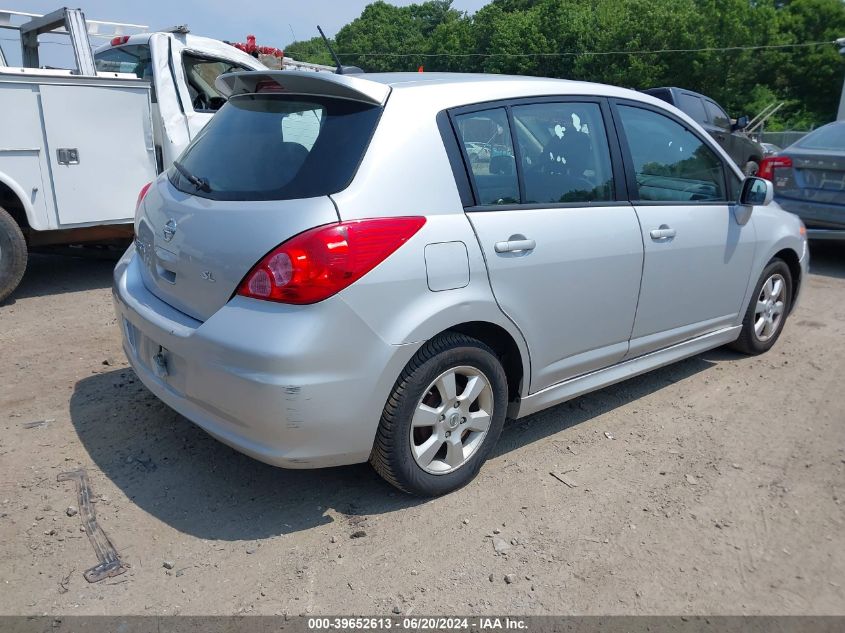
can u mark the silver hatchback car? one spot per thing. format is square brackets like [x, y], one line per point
[384, 267]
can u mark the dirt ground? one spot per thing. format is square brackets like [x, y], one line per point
[721, 491]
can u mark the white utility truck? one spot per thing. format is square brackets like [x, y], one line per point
[77, 146]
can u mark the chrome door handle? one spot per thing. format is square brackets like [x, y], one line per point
[663, 233]
[514, 246]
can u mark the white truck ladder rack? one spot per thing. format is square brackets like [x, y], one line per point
[70, 22]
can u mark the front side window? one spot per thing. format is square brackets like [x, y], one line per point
[200, 75]
[488, 148]
[563, 152]
[671, 163]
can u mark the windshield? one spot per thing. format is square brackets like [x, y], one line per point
[273, 147]
[829, 137]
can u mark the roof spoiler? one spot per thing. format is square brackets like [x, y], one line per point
[304, 83]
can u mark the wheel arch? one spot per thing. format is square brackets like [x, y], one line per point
[790, 257]
[515, 363]
[14, 201]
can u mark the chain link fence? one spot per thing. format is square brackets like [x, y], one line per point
[782, 139]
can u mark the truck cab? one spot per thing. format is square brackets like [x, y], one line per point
[181, 69]
[730, 134]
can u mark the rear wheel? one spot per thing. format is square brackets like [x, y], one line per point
[443, 417]
[12, 254]
[767, 310]
[751, 168]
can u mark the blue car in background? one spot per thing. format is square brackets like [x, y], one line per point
[809, 180]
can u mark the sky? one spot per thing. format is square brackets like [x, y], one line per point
[273, 22]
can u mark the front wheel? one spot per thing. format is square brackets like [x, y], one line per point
[12, 254]
[443, 417]
[767, 311]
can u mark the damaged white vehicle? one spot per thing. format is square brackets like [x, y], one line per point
[78, 144]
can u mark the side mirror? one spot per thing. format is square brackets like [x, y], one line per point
[741, 123]
[756, 191]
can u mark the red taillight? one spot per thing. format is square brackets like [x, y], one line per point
[120, 39]
[322, 261]
[769, 164]
[141, 195]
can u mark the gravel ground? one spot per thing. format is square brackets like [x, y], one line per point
[712, 486]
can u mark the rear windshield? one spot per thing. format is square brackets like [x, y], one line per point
[274, 147]
[830, 137]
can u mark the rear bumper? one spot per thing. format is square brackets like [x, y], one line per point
[282, 384]
[805, 270]
[824, 220]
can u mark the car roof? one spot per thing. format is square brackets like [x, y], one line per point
[485, 81]
[443, 89]
[674, 89]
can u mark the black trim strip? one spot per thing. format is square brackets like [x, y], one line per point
[456, 158]
[529, 206]
[617, 156]
[517, 154]
[173, 74]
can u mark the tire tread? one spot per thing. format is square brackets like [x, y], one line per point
[385, 441]
[13, 258]
[746, 342]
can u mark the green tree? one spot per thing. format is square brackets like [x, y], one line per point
[613, 41]
[313, 50]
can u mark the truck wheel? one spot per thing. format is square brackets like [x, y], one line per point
[751, 168]
[12, 254]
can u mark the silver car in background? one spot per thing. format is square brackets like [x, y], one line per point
[384, 267]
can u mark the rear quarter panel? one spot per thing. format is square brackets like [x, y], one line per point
[406, 172]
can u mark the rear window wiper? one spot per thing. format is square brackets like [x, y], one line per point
[200, 183]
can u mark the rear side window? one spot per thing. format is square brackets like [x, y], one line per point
[671, 163]
[126, 59]
[564, 152]
[487, 142]
[692, 105]
[718, 116]
[274, 147]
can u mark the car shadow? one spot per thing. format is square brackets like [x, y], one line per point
[176, 472]
[827, 258]
[173, 470]
[51, 274]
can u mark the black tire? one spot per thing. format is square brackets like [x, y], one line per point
[751, 167]
[12, 254]
[748, 341]
[392, 451]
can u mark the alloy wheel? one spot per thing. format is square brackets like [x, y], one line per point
[451, 420]
[768, 314]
